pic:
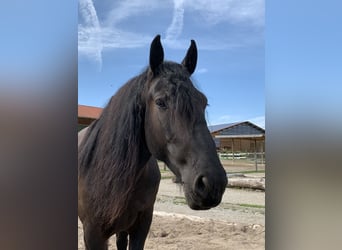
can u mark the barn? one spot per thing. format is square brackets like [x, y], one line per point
[239, 140]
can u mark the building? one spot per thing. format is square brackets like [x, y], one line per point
[239, 140]
[86, 115]
[238, 137]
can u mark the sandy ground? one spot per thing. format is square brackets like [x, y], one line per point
[237, 223]
[169, 231]
[176, 231]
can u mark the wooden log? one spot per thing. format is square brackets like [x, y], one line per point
[253, 183]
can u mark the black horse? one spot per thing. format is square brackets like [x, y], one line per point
[158, 114]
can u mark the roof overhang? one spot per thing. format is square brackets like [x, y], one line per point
[239, 136]
[88, 112]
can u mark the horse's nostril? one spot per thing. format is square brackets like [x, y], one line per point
[201, 185]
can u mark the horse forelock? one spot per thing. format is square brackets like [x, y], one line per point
[188, 100]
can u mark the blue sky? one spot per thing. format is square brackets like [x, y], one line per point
[114, 39]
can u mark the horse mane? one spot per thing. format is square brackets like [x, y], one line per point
[112, 150]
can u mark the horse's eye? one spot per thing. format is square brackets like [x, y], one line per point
[161, 103]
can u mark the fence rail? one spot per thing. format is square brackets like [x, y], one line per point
[256, 159]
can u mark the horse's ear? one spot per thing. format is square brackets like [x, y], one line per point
[190, 59]
[156, 54]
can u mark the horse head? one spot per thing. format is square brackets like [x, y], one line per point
[176, 131]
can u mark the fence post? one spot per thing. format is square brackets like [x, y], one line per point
[255, 155]
[233, 150]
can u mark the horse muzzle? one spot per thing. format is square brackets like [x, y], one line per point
[205, 193]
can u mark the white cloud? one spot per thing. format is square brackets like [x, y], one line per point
[259, 121]
[95, 36]
[89, 33]
[225, 118]
[115, 38]
[216, 11]
[222, 119]
[202, 71]
[125, 9]
[176, 26]
[88, 13]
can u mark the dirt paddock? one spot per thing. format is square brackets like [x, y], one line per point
[175, 231]
[237, 223]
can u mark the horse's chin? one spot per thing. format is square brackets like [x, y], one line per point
[197, 207]
[195, 203]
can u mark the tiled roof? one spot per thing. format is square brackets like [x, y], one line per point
[89, 111]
